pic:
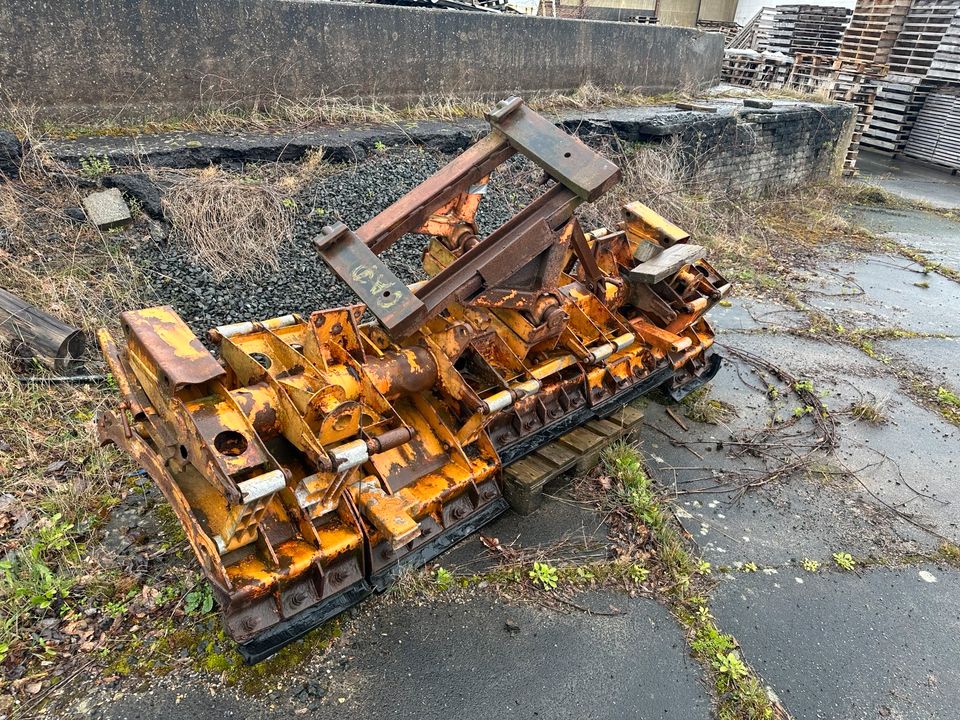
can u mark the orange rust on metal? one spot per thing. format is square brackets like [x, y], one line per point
[315, 456]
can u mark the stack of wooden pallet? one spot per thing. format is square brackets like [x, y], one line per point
[811, 29]
[852, 81]
[810, 73]
[729, 29]
[899, 99]
[902, 94]
[761, 70]
[923, 30]
[755, 35]
[936, 133]
[740, 67]
[855, 81]
[946, 60]
[873, 30]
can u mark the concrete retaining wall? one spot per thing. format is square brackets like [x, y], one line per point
[154, 58]
[774, 149]
[752, 150]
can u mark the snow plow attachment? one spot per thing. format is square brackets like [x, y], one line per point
[318, 455]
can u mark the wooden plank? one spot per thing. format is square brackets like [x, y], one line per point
[581, 440]
[627, 416]
[557, 455]
[54, 343]
[667, 263]
[605, 428]
[528, 471]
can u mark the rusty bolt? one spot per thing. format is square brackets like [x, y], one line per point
[339, 576]
[249, 623]
[299, 597]
[336, 329]
[458, 512]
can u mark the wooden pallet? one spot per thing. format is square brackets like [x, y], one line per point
[935, 137]
[873, 30]
[578, 450]
[809, 29]
[729, 29]
[945, 65]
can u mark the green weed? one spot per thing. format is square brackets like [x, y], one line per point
[443, 578]
[198, 601]
[544, 575]
[93, 167]
[844, 560]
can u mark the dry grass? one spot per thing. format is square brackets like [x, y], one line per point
[232, 226]
[220, 112]
[55, 482]
[699, 406]
[753, 237]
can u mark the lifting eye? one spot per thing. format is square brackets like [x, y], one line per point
[230, 442]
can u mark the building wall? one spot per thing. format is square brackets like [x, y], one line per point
[718, 10]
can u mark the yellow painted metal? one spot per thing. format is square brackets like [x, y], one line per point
[317, 451]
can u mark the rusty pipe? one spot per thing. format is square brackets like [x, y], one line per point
[390, 439]
[407, 372]
[356, 452]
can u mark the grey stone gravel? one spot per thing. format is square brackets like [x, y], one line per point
[302, 283]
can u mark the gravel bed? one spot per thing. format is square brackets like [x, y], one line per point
[303, 283]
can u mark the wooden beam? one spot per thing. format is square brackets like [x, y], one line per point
[55, 344]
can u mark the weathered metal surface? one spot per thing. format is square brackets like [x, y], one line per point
[384, 294]
[563, 156]
[317, 456]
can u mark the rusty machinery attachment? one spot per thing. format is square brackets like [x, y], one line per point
[318, 455]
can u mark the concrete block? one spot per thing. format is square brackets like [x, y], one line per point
[107, 209]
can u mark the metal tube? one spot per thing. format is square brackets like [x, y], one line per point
[506, 398]
[242, 328]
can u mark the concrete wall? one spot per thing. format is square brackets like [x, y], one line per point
[149, 58]
[718, 10]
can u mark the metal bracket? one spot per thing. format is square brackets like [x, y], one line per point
[385, 295]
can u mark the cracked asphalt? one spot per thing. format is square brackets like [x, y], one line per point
[881, 641]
